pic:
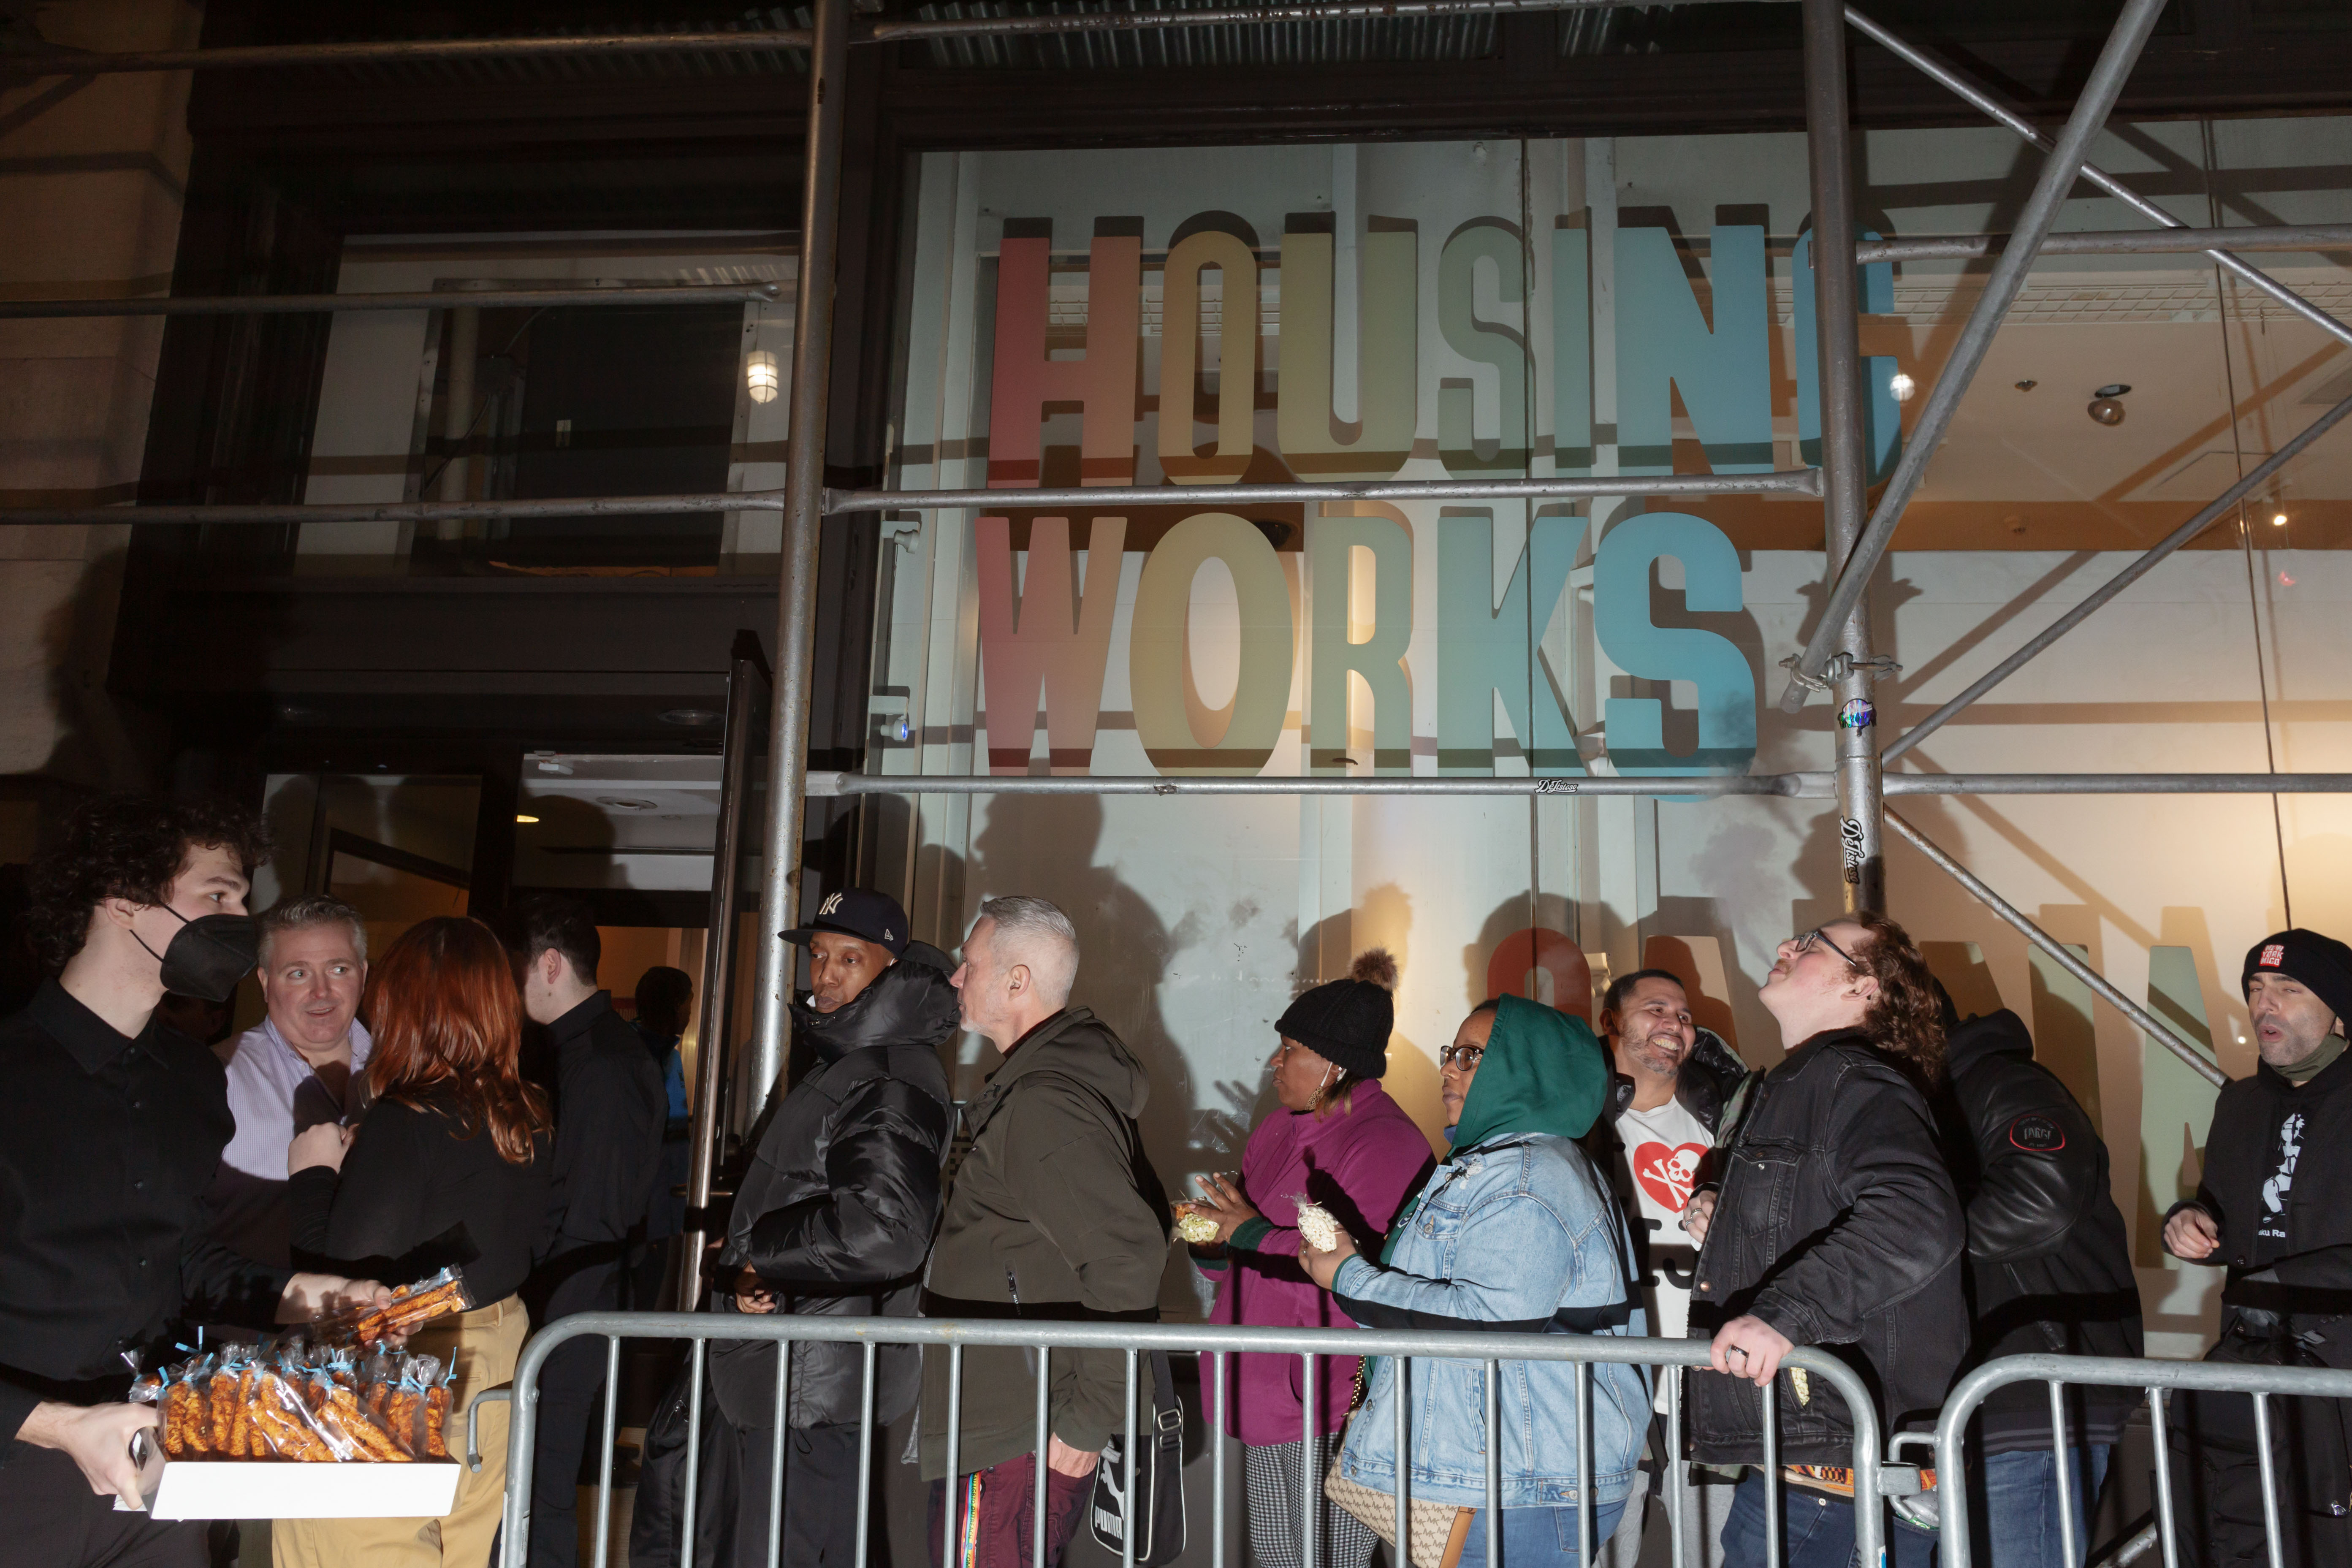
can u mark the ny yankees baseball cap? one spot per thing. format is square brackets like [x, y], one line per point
[860, 912]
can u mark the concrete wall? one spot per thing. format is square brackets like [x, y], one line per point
[93, 173]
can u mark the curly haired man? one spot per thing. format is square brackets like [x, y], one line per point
[110, 1134]
[1837, 1225]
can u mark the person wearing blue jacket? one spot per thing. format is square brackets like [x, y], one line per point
[1516, 1231]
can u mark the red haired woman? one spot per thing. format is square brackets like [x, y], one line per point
[448, 1167]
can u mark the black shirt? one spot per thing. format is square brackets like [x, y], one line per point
[610, 1109]
[421, 1190]
[107, 1145]
[2278, 1182]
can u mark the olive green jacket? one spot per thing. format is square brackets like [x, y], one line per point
[1054, 1214]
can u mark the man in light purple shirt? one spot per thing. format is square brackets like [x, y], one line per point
[305, 1064]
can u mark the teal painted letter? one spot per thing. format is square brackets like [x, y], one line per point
[1882, 418]
[1488, 342]
[1725, 373]
[1483, 647]
[1620, 609]
[1571, 351]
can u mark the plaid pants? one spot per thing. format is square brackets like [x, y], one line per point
[1270, 1474]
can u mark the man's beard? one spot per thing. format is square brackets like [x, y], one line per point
[1664, 1062]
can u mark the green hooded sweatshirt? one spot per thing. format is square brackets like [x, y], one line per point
[1544, 1071]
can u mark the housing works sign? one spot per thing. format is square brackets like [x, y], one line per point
[1045, 636]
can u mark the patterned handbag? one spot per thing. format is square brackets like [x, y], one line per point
[1438, 1530]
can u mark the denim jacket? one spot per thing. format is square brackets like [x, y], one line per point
[1503, 1237]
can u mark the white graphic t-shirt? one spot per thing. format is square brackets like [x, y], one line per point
[1663, 1151]
[2282, 1181]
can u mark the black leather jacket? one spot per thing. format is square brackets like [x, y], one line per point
[2049, 1262]
[836, 1209]
[1838, 1225]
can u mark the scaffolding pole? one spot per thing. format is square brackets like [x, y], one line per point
[398, 51]
[1786, 482]
[2056, 179]
[2114, 242]
[1844, 476]
[2228, 501]
[54, 61]
[438, 299]
[1972, 93]
[1136, 21]
[2120, 242]
[804, 521]
[1684, 786]
[1801, 482]
[2199, 1062]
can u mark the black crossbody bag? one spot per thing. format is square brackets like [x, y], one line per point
[1158, 1518]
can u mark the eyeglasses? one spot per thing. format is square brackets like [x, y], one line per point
[1461, 1059]
[1805, 944]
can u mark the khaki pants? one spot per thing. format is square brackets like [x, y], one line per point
[487, 1342]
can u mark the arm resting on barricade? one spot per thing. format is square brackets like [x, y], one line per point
[1521, 1292]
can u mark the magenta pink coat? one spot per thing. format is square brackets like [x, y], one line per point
[1361, 1163]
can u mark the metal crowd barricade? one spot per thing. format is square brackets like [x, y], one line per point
[2159, 1378]
[1216, 1344]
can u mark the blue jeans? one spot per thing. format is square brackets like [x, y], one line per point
[2015, 1507]
[1816, 1531]
[1540, 1537]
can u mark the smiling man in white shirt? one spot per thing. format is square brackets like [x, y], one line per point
[305, 1064]
[1666, 1100]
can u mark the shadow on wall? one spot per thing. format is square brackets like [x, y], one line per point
[97, 744]
[1044, 847]
[1328, 951]
[2319, 871]
[1523, 949]
[1706, 976]
[1967, 978]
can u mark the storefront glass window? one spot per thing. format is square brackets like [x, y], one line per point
[1499, 308]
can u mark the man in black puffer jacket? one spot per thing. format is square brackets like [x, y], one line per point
[2049, 1271]
[833, 1215]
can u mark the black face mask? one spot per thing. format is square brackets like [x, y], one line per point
[208, 955]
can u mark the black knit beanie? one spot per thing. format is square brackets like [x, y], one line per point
[1347, 1021]
[2320, 963]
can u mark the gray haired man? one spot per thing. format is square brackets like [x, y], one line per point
[305, 1063]
[1055, 1213]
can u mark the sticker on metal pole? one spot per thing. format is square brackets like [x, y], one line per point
[1857, 714]
[1854, 845]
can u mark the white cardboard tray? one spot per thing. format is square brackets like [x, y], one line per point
[263, 1489]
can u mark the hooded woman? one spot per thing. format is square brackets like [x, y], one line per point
[1341, 1142]
[1515, 1229]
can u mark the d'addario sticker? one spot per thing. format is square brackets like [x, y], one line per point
[2037, 1134]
